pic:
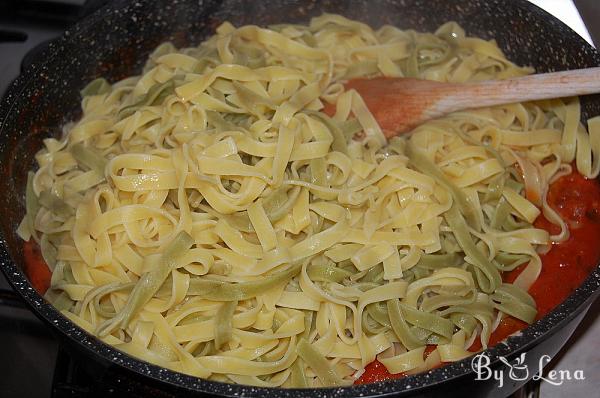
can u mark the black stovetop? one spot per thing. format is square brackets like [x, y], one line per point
[32, 363]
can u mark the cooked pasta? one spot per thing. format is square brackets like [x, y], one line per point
[207, 216]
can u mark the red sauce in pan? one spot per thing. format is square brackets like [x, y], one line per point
[35, 268]
[565, 266]
[375, 371]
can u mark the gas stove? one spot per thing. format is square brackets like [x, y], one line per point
[33, 363]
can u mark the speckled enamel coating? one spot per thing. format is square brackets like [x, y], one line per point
[115, 42]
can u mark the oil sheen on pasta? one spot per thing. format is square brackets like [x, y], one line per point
[207, 217]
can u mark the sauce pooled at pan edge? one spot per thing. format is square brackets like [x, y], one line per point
[565, 266]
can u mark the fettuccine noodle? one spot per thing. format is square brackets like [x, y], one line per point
[207, 216]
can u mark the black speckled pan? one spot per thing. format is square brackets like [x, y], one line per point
[115, 42]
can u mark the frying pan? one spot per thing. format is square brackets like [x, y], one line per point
[114, 43]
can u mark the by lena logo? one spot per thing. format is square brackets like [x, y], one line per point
[519, 371]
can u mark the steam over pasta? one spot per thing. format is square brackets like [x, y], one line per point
[207, 217]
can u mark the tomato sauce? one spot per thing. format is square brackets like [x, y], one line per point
[568, 263]
[375, 371]
[564, 267]
[35, 267]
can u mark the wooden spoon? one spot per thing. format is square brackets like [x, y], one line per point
[401, 104]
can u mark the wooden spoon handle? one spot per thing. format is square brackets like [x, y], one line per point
[526, 88]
